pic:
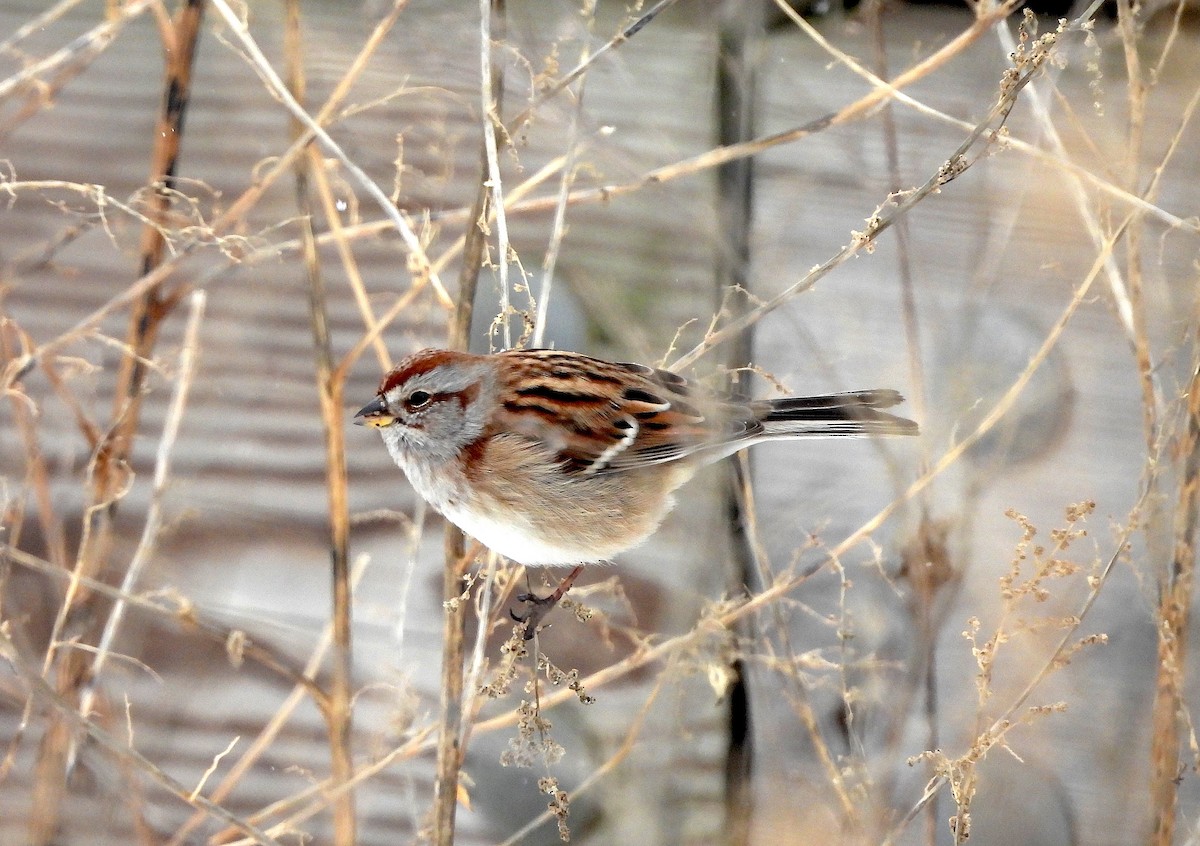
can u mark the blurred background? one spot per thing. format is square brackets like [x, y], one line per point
[1055, 281]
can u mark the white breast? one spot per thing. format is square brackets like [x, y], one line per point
[510, 536]
[513, 539]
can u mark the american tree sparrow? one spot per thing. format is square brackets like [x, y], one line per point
[557, 458]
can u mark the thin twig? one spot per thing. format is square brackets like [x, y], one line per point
[401, 303]
[864, 106]
[404, 587]
[162, 470]
[626, 33]
[37, 472]
[912, 334]
[349, 234]
[85, 47]
[267, 735]
[490, 110]
[67, 712]
[1136, 97]
[1041, 111]
[997, 731]
[632, 733]
[337, 232]
[180, 613]
[420, 260]
[883, 218]
[38, 23]
[320, 793]
[558, 228]
[484, 602]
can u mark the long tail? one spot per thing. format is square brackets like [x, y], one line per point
[832, 415]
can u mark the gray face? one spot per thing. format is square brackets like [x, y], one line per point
[438, 412]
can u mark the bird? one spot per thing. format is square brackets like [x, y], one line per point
[556, 458]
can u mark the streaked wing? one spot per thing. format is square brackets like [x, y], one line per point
[608, 416]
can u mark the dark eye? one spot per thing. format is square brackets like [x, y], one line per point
[418, 399]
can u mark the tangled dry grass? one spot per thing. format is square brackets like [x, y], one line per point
[857, 655]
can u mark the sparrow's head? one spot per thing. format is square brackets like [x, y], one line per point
[432, 404]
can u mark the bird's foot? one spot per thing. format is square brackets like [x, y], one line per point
[539, 606]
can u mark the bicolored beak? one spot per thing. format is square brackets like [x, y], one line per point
[374, 414]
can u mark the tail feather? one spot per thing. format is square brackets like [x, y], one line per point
[845, 414]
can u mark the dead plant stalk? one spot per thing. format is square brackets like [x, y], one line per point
[1176, 593]
[450, 749]
[109, 476]
[338, 716]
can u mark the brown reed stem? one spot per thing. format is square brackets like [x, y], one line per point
[338, 714]
[110, 474]
[458, 336]
[1174, 612]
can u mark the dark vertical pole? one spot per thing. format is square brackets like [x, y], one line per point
[740, 36]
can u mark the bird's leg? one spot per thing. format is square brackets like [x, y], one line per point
[539, 606]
